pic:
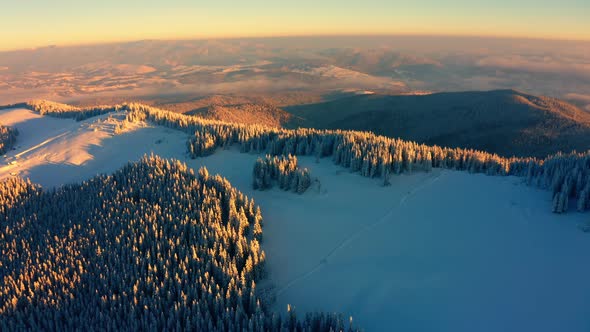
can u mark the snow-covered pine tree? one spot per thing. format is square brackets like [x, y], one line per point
[7, 138]
[304, 180]
[582, 201]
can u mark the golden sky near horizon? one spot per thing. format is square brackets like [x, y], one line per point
[35, 23]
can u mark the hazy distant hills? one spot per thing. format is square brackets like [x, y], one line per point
[314, 82]
[158, 69]
[506, 122]
[379, 61]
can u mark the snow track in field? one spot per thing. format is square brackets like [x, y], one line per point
[49, 140]
[359, 233]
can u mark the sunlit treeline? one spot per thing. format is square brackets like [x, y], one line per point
[377, 156]
[566, 176]
[7, 138]
[151, 247]
[59, 110]
[282, 170]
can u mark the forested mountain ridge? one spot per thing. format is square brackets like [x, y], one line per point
[506, 122]
[151, 247]
[262, 114]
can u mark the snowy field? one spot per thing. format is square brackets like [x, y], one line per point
[440, 251]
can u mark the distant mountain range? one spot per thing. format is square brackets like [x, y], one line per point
[506, 122]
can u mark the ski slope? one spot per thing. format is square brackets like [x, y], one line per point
[52, 151]
[439, 251]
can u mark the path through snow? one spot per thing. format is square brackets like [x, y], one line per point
[360, 232]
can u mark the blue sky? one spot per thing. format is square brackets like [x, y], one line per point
[29, 23]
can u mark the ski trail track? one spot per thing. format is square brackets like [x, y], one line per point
[45, 142]
[360, 232]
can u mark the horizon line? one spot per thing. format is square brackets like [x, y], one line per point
[311, 36]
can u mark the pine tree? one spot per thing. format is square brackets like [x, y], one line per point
[386, 176]
[582, 201]
[557, 203]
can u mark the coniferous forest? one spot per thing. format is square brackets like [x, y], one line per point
[282, 170]
[7, 138]
[59, 110]
[151, 247]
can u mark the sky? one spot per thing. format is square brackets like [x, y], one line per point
[33, 23]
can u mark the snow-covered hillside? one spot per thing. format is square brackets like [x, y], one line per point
[440, 251]
[444, 251]
[52, 151]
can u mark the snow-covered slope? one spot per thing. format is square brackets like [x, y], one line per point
[440, 251]
[53, 151]
[443, 251]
